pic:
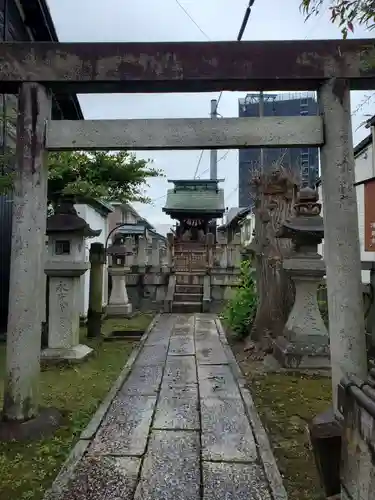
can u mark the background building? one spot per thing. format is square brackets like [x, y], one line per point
[21, 20]
[303, 161]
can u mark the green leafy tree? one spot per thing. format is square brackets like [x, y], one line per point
[345, 13]
[101, 175]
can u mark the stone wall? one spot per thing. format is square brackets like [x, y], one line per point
[223, 286]
[147, 290]
[150, 269]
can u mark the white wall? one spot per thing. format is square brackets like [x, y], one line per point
[95, 221]
[364, 169]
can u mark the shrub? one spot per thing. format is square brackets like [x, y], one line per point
[241, 309]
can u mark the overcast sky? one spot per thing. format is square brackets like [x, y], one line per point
[164, 20]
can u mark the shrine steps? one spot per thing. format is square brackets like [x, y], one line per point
[187, 299]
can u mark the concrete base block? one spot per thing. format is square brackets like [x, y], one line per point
[310, 352]
[325, 436]
[122, 310]
[74, 354]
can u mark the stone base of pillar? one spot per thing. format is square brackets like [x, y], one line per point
[43, 425]
[119, 310]
[325, 437]
[307, 352]
[76, 354]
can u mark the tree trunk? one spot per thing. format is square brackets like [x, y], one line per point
[275, 195]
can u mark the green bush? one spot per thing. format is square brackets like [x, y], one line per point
[241, 309]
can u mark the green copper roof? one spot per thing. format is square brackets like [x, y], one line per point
[206, 201]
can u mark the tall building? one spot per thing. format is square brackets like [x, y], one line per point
[304, 162]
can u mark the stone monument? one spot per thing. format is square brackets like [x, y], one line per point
[65, 265]
[119, 304]
[305, 340]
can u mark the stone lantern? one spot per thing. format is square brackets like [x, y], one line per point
[119, 304]
[305, 340]
[65, 265]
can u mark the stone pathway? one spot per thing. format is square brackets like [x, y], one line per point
[182, 426]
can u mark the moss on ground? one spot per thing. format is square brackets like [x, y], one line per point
[286, 404]
[28, 469]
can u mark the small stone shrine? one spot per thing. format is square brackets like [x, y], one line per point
[119, 304]
[65, 265]
[305, 340]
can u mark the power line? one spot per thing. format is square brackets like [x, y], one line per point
[230, 194]
[239, 37]
[192, 19]
[221, 158]
[198, 164]
[224, 155]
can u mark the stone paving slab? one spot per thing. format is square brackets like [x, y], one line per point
[226, 432]
[181, 346]
[99, 478]
[184, 331]
[180, 370]
[217, 381]
[143, 381]
[171, 469]
[210, 353]
[126, 427]
[226, 481]
[177, 408]
[152, 355]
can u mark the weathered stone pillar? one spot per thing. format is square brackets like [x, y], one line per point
[26, 293]
[170, 250]
[305, 342]
[341, 242]
[155, 256]
[142, 253]
[95, 311]
[65, 265]
[119, 304]
[224, 257]
[129, 252]
[210, 241]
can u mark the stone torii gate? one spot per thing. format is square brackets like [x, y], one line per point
[34, 70]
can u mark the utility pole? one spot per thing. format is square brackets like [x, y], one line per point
[213, 155]
[261, 114]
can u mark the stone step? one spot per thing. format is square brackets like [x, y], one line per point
[189, 279]
[186, 307]
[189, 289]
[187, 297]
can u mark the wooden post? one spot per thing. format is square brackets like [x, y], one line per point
[26, 294]
[341, 240]
[94, 317]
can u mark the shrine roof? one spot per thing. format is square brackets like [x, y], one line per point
[195, 198]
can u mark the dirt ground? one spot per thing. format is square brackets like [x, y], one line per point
[286, 402]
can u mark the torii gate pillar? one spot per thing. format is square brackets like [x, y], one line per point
[341, 236]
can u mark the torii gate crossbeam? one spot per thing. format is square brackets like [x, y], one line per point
[187, 66]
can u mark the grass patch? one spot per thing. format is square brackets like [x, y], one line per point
[286, 404]
[28, 469]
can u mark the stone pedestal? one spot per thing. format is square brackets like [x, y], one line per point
[305, 340]
[305, 343]
[63, 321]
[119, 304]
